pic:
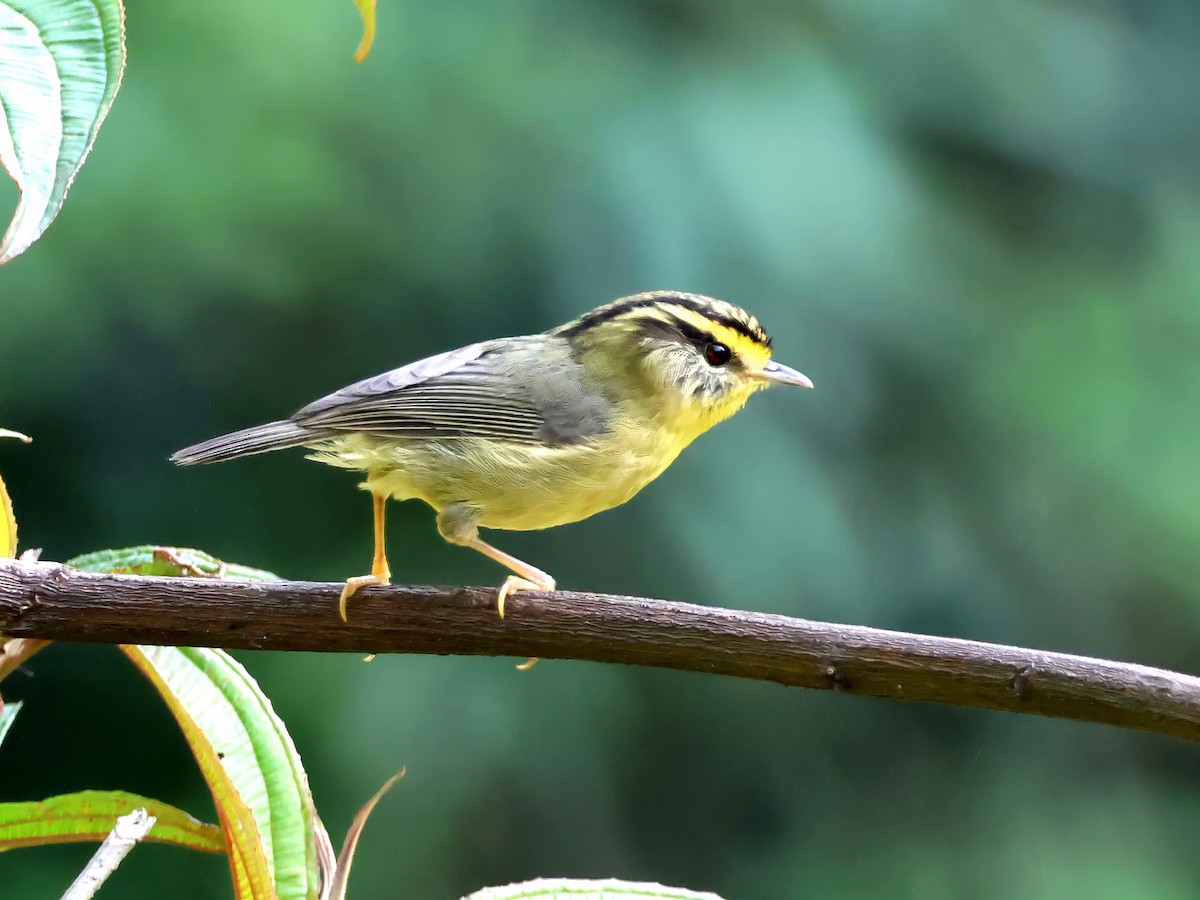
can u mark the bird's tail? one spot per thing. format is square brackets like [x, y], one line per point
[259, 439]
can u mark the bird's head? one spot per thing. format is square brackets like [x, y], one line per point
[696, 360]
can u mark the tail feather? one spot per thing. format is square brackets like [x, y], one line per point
[247, 442]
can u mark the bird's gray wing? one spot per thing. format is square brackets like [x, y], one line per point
[495, 389]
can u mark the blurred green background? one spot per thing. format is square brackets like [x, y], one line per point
[975, 226]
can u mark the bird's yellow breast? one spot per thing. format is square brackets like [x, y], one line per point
[514, 486]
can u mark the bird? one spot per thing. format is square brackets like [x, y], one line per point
[535, 431]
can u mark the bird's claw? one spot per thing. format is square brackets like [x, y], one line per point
[353, 584]
[516, 583]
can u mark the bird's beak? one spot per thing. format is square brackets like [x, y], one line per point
[778, 373]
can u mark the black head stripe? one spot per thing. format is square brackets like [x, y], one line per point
[696, 335]
[743, 326]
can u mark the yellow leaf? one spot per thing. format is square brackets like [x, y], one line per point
[15, 652]
[8, 522]
[366, 9]
[248, 861]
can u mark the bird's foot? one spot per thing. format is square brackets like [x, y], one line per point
[360, 581]
[517, 583]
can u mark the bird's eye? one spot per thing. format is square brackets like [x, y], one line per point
[717, 354]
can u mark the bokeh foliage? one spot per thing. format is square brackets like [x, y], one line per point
[974, 226]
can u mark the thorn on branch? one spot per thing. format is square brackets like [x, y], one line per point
[837, 681]
[1019, 683]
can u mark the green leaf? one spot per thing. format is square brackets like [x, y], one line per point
[90, 815]
[8, 521]
[612, 889]
[172, 562]
[251, 766]
[60, 67]
[8, 714]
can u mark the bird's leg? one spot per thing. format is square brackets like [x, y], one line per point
[528, 578]
[380, 573]
[379, 563]
[457, 525]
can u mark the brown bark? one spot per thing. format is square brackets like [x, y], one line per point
[51, 602]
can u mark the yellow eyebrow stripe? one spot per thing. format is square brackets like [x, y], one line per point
[747, 349]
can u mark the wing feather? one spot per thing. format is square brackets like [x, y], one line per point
[471, 392]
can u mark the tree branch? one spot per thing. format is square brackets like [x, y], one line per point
[52, 602]
[127, 833]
